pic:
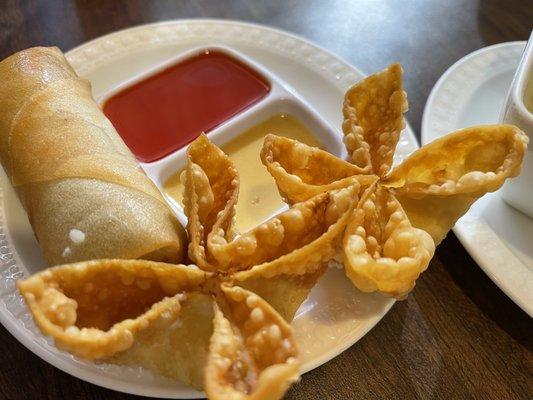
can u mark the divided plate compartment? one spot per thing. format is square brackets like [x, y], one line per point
[281, 99]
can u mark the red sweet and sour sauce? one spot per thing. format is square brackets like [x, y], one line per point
[168, 110]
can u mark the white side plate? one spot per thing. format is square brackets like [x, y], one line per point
[335, 316]
[498, 237]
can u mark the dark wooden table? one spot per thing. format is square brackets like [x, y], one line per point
[457, 336]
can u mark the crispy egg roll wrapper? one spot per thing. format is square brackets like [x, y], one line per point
[72, 171]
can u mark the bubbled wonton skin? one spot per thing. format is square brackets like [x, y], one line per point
[391, 236]
[202, 324]
[281, 258]
[222, 323]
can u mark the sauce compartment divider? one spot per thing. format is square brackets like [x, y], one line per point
[282, 99]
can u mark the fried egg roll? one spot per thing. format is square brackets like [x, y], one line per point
[84, 192]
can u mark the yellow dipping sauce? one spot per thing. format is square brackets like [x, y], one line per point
[259, 198]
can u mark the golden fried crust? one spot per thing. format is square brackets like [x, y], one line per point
[107, 235]
[390, 237]
[287, 234]
[373, 119]
[222, 178]
[281, 258]
[161, 317]
[302, 171]
[382, 251]
[198, 204]
[145, 313]
[40, 67]
[72, 171]
[211, 191]
[286, 280]
[439, 182]
[252, 354]
[95, 309]
[284, 292]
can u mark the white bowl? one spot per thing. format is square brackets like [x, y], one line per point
[518, 192]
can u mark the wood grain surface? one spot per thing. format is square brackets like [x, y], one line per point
[457, 336]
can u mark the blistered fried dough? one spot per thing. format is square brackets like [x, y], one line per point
[198, 202]
[303, 233]
[282, 258]
[211, 191]
[373, 119]
[288, 231]
[382, 250]
[286, 280]
[472, 160]
[223, 181]
[175, 347]
[253, 352]
[162, 316]
[95, 309]
[439, 182]
[302, 171]
[388, 243]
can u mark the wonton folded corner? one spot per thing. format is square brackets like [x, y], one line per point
[391, 238]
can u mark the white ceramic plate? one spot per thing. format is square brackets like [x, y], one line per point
[499, 238]
[333, 318]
